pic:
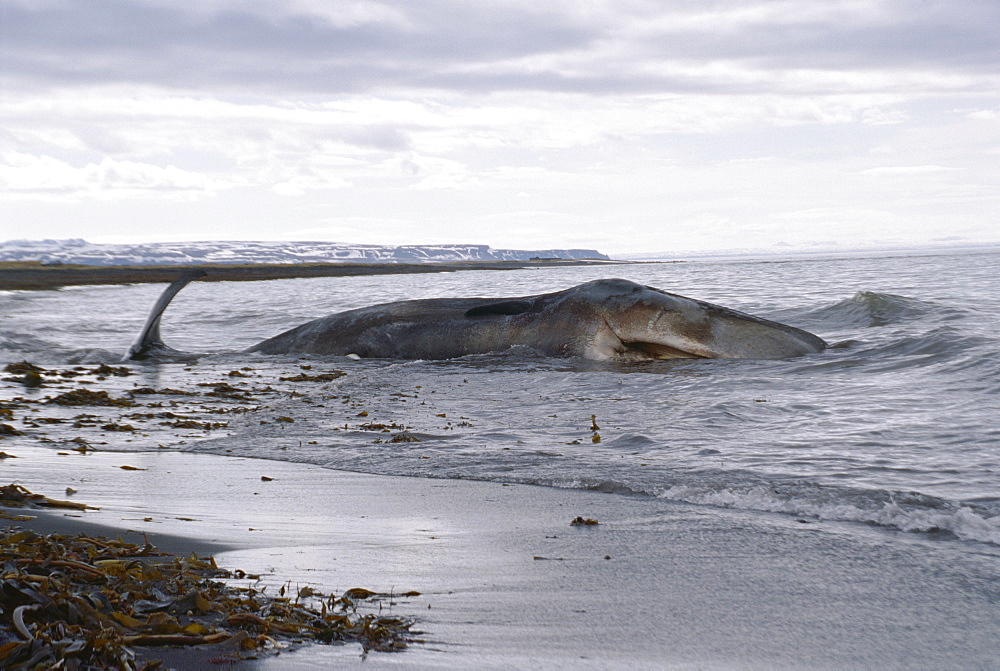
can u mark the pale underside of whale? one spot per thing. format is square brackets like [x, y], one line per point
[608, 319]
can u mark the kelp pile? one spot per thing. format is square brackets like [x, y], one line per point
[16, 495]
[76, 602]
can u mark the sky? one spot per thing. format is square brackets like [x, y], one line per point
[627, 126]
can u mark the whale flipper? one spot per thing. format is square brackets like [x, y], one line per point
[148, 344]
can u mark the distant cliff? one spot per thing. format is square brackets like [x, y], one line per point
[77, 251]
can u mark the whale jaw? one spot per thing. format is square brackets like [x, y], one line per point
[650, 323]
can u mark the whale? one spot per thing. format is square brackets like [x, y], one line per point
[603, 320]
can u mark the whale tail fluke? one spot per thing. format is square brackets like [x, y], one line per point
[148, 344]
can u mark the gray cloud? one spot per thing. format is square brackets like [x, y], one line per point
[950, 36]
[447, 44]
[105, 41]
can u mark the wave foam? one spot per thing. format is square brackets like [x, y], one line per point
[959, 520]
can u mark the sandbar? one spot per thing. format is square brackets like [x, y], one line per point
[34, 276]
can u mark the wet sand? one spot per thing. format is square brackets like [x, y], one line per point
[507, 582]
[19, 275]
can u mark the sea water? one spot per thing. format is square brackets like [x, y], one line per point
[897, 425]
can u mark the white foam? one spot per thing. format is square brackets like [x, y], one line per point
[962, 521]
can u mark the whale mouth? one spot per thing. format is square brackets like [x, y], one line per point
[653, 350]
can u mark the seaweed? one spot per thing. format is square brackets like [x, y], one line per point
[23, 367]
[114, 426]
[29, 379]
[80, 602]
[321, 377]
[166, 390]
[16, 495]
[225, 390]
[31, 375]
[87, 397]
[194, 424]
[105, 370]
[384, 428]
[584, 522]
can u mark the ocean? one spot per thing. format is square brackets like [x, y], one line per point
[895, 426]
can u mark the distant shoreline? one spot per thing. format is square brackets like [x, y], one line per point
[18, 275]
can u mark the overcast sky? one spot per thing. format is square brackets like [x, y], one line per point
[622, 125]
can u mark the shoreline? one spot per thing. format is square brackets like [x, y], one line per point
[507, 582]
[47, 521]
[35, 276]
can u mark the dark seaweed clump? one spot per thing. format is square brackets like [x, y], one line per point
[88, 397]
[79, 602]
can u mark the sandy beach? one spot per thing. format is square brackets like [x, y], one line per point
[36, 276]
[507, 582]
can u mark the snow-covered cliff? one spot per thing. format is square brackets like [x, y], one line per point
[78, 251]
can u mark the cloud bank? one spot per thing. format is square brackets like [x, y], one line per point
[620, 125]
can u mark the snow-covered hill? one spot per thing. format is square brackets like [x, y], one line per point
[78, 251]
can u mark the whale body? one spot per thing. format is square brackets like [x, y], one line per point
[608, 320]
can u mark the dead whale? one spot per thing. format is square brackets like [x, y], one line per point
[609, 320]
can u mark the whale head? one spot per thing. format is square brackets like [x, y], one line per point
[648, 323]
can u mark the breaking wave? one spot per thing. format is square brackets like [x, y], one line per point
[870, 309]
[884, 509]
[903, 511]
